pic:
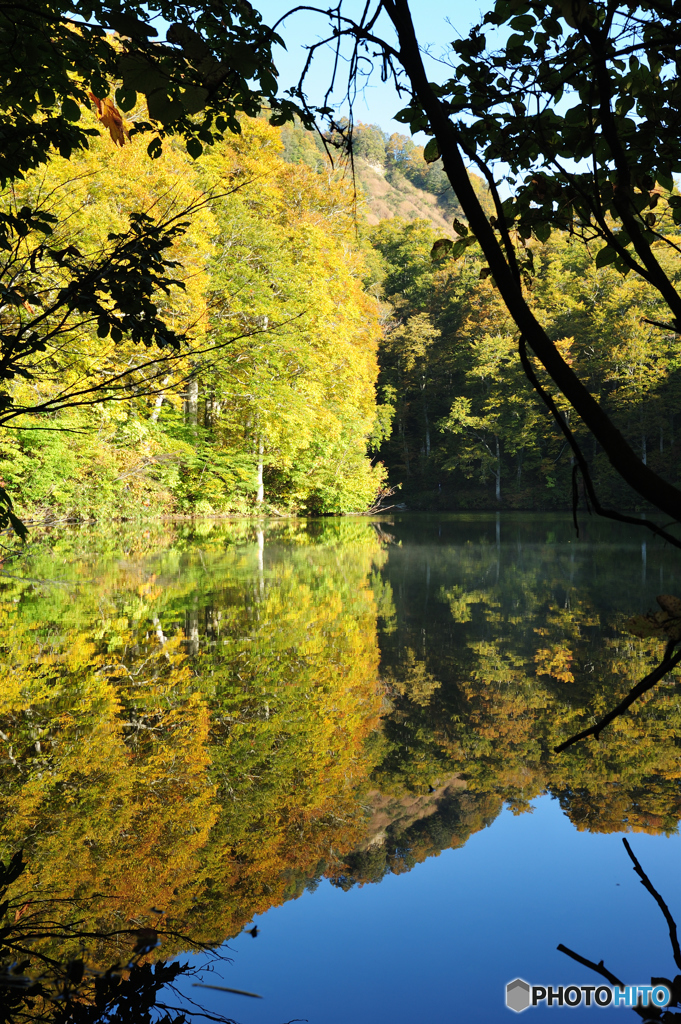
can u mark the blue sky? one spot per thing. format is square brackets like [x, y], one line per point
[379, 102]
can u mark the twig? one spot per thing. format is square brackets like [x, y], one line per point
[647, 884]
[599, 968]
[666, 665]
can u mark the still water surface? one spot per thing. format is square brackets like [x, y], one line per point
[342, 730]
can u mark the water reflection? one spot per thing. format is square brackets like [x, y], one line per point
[211, 718]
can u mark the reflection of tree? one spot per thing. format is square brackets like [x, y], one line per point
[210, 781]
[666, 625]
[64, 989]
[674, 986]
[205, 729]
[524, 660]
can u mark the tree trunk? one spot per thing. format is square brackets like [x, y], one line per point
[406, 449]
[191, 403]
[661, 438]
[261, 564]
[644, 450]
[260, 495]
[498, 472]
[425, 417]
[520, 464]
[158, 402]
[191, 630]
[156, 411]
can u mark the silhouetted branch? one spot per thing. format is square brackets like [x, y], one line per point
[599, 968]
[647, 1012]
[647, 884]
[665, 666]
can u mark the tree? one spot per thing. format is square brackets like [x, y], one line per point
[60, 58]
[603, 60]
[57, 56]
[40, 989]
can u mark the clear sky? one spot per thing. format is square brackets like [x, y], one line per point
[436, 24]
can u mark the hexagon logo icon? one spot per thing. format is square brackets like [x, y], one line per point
[517, 995]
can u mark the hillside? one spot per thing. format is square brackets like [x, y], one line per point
[391, 176]
[385, 198]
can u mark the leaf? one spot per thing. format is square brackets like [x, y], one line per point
[126, 98]
[432, 151]
[193, 99]
[194, 47]
[605, 256]
[111, 119]
[665, 179]
[441, 248]
[460, 227]
[542, 231]
[140, 74]
[514, 41]
[126, 25]
[70, 109]
[194, 148]
[162, 107]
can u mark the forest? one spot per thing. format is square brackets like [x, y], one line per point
[324, 358]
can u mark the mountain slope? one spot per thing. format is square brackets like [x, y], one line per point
[385, 198]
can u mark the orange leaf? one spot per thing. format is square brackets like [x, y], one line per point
[111, 118]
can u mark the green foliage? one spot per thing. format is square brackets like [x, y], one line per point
[196, 82]
[468, 430]
[270, 323]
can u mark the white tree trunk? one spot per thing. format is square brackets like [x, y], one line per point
[498, 472]
[158, 402]
[260, 495]
[191, 403]
[261, 563]
[156, 411]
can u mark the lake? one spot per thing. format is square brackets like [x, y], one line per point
[342, 731]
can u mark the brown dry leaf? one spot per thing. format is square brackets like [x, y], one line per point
[21, 911]
[111, 118]
[665, 624]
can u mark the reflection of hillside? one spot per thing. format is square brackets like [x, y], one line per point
[405, 830]
[521, 645]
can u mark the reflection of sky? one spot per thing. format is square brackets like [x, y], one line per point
[439, 943]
